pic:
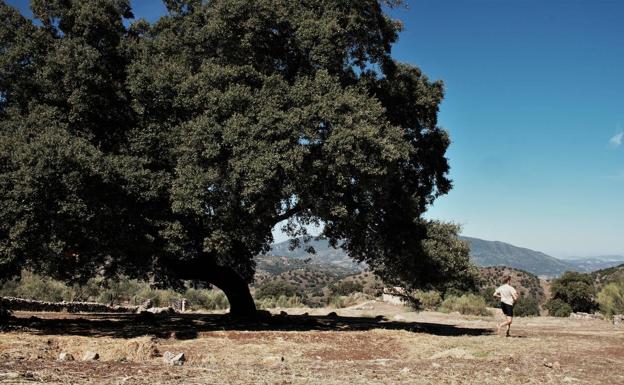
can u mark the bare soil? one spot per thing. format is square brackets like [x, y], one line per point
[374, 343]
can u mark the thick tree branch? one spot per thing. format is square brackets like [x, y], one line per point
[287, 214]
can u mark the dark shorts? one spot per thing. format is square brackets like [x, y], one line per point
[507, 309]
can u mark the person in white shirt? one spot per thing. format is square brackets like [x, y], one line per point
[508, 296]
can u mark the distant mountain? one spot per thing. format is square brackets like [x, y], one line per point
[325, 254]
[589, 264]
[495, 253]
[483, 254]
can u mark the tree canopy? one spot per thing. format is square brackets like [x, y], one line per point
[172, 149]
[575, 289]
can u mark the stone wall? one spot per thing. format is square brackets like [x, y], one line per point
[589, 316]
[20, 304]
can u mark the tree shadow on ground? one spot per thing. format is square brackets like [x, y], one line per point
[188, 326]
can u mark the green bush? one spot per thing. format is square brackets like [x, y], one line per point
[488, 296]
[34, 286]
[275, 289]
[206, 299]
[429, 300]
[611, 299]
[470, 304]
[346, 287]
[575, 289]
[120, 291]
[526, 306]
[558, 308]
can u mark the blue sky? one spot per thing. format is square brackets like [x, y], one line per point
[535, 108]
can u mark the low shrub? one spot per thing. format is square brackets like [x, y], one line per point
[34, 286]
[424, 300]
[346, 287]
[526, 307]
[611, 299]
[276, 289]
[281, 301]
[488, 296]
[469, 304]
[558, 308]
[206, 299]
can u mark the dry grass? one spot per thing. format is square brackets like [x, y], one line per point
[588, 352]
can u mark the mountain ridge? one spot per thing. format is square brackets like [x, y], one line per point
[483, 253]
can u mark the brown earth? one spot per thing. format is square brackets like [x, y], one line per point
[354, 347]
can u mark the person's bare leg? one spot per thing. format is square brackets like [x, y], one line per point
[507, 323]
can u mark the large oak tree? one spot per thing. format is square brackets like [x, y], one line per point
[171, 150]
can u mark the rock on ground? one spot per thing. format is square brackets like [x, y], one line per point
[174, 359]
[90, 356]
[65, 357]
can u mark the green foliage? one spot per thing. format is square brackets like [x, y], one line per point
[558, 308]
[346, 287]
[526, 306]
[470, 304]
[488, 295]
[342, 301]
[428, 300]
[172, 149]
[575, 289]
[119, 291]
[206, 299]
[33, 286]
[611, 299]
[275, 289]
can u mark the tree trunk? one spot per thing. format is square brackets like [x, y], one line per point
[225, 278]
[235, 288]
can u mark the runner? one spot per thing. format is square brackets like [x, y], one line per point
[508, 296]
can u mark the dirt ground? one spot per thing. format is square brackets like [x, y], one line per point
[373, 343]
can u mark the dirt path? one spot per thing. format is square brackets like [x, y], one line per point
[431, 348]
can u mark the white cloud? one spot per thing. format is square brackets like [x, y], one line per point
[616, 140]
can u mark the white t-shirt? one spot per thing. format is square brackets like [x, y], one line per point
[507, 293]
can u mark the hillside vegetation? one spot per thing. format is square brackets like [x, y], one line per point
[605, 276]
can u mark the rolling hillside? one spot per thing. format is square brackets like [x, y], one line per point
[495, 253]
[589, 264]
[483, 254]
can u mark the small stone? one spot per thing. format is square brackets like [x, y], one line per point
[507, 370]
[91, 356]
[173, 359]
[332, 315]
[9, 375]
[548, 364]
[273, 361]
[435, 365]
[178, 359]
[283, 313]
[405, 370]
[167, 356]
[398, 317]
[64, 356]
